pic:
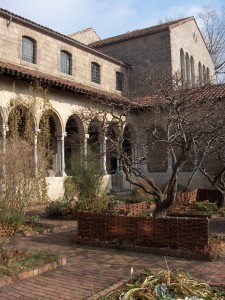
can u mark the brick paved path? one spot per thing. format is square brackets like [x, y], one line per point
[90, 270]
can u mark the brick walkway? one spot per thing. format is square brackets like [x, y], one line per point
[90, 270]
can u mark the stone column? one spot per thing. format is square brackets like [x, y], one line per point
[103, 155]
[4, 129]
[60, 155]
[86, 137]
[36, 131]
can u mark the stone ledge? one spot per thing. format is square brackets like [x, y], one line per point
[26, 274]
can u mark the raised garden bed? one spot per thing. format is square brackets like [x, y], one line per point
[182, 237]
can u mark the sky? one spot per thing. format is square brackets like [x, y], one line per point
[107, 17]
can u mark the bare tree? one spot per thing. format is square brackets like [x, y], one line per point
[212, 24]
[216, 173]
[169, 125]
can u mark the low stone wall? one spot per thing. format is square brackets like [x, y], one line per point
[177, 233]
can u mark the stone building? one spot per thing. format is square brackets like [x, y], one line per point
[81, 69]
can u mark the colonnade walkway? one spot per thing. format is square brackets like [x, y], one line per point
[90, 270]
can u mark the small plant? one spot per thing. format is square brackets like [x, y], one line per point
[205, 207]
[59, 207]
[35, 219]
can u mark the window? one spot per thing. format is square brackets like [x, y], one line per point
[200, 73]
[182, 66]
[95, 72]
[119, 81]
[66, 62]
[29, 49]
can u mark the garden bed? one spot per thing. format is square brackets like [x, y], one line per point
[30, 228]
[18, 264]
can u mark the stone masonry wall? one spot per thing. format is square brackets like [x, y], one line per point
[48, 55]
[144, 54]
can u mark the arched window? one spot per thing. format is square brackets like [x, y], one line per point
[187, 69]
[95, 72]
[182, 67]
[200, 73]
[66, 59]
[29, 49]
[207, 75]
[192, 72]
[204, 75]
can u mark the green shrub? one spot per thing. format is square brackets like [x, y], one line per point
[206, 207]
[12, 218]
[86, 183]
[59, 207]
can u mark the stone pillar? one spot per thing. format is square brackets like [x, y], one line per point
[60, 155]
[36, 131]
[103, 155]
[4, 129]
[86, 137]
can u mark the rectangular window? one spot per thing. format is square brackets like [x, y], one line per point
[119, 81]
[28, 50]
[95, 72]
[66, 62]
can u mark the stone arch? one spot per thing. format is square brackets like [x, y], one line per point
[51, 121]
[21, 123]
[192, 72]
[95, 136]
[74, 142]
[128, 142]
[111, 157]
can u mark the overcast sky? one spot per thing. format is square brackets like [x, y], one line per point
[107, 17]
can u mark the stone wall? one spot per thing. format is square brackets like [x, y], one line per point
[49, 46]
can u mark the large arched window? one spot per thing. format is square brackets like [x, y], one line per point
[200, 73]
[95, 72]
[192, 72]
[29, 49]
[187, 69]
[66, 62]
[182, 67]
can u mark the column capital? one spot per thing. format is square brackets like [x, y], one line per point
[61, 135]
[37, 130]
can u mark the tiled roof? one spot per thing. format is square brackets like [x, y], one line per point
[137, 33]
[209, 92]
[59, 82]
[65, 37]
